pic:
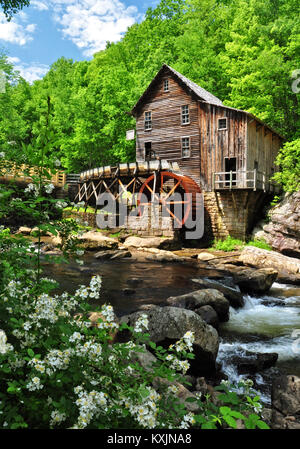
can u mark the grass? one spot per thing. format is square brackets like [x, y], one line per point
[232, 244]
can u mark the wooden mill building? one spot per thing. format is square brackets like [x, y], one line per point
[228, 152]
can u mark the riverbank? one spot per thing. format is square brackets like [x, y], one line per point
[147, 277]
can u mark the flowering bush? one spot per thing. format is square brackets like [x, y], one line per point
[59, 370]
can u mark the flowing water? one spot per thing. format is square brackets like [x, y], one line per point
[265, 324]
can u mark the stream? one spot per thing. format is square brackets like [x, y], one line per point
[265, 324]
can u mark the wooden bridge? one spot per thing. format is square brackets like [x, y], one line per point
[25, 173]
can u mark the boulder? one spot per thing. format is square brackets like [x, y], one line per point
[24, 230]
[205, 256]
[168, 325]
[209, 315]
[251, 362]
[257, 257]
[286, 403]
[206, 297]
[151, 242]
[112, 254]
[283, 230]
[232, 293]
[182, 393]
[256, 281]
[95, 240]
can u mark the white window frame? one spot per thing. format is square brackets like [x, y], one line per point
[185, 115]
[189, 147]
[222, 129]
[166, 85]
[148, 121]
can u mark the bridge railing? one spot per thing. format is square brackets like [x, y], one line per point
[24, 173]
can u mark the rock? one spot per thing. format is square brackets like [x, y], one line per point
[252, 362]
[233, 295]
[112, 255]
[168, 325]
[205, 256]
[95, 240]
[204, 388]
[24, 230]
[151, 242]
[160, 255]
[256, 281]
[182, 393]
[209, 315]
[286, 403]
[146, 359]
[283, 230]
[257, 257]
[206, 297]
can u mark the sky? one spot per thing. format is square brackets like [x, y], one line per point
[46, 30]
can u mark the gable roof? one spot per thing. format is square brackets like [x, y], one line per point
[192, 87]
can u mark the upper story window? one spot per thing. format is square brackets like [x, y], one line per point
[185, 115]
[185, 147]
[222, 123]
[148, 121]
[166, 86]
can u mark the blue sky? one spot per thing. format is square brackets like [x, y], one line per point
[46, 30]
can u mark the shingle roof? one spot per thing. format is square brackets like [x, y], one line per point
[201, 93]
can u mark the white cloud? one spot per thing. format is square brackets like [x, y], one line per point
[15, 32]
[41, 6]
[89, 24]
[30, 72]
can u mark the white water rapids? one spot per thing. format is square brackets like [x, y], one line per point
[265, 324]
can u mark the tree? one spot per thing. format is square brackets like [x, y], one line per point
[11, 7]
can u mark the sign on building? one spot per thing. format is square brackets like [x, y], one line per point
[130, 135]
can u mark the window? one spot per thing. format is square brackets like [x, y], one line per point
[185, 115]
[222, 123]
[185, 146]
[166, 85]
[148, 121]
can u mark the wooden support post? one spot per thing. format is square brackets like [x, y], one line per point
[255, 179]
[230, 186]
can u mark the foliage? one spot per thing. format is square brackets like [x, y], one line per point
[232, 244]
[241, 404]
[288, 161]
[11, 7]
[261, 243]
[229, 244]
[244, 52]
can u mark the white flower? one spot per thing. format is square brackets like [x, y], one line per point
[2, 155]
[57, 418]
[4, 347]
[142, 322]
[49, 188]
[35, 384]
[57, 163]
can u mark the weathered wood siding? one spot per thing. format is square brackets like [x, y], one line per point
[263, 147]
[167, 129]
[216, 145]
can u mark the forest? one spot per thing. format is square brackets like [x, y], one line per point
[245, 52]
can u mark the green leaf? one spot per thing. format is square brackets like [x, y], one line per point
[30, 352]
[262, 425]
[230, 421]
[225, 410]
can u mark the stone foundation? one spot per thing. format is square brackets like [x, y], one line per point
[233, 212]
[227, 213]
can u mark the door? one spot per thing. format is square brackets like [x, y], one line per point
[230, 166]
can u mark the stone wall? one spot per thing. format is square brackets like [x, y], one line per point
[150, 224]
[232, 213]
